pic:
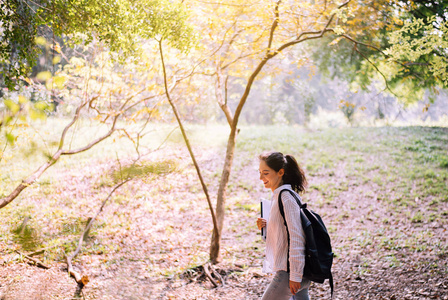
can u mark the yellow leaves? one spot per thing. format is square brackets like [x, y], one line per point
[151, 87]
[11, 106]
[56, 60]
[59, 81]
[10, 138]
[312, 72]
[57, 48]
[22, 109]
[77, 61]
[353, 22]
[49, 84]
[27, 80]
[343, 104]
[43, 76]
[41, 41]
[22, 99]
[41, 105]
[426, 107]
[339, 30]
[37, 114]
[335, 41]
[50, 81]
[347, 104]
[145, 111]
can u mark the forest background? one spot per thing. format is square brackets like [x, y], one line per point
[130, 132]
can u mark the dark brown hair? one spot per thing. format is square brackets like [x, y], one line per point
[294, 175]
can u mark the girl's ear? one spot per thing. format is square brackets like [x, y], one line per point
[281, 172]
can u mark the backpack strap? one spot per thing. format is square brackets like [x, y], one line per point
[282, 212]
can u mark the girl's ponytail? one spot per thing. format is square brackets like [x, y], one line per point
[294, 175]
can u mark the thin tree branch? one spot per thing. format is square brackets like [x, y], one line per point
[54, 158]
[83, 280]
[274, 25]
[379, 72]
[222, 101]
[34, 260]
[187, 142]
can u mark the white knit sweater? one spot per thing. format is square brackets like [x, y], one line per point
[277, 238]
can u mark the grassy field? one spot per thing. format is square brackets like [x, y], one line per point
[383, 193]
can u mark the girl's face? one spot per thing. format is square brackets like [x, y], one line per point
[271, 179]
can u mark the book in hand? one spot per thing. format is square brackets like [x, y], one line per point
[265, 209]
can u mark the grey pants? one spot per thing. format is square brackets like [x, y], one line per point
[278, 289]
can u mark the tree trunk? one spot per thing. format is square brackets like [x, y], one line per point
[215, 256]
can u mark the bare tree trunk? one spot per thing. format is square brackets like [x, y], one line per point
[215, 256]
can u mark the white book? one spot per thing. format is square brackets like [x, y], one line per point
[265, 209]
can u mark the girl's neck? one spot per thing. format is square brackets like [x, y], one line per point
[277, 186]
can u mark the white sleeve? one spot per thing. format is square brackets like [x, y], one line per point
[296, 237]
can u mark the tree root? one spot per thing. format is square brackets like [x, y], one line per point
[205, 272]
[213, 275]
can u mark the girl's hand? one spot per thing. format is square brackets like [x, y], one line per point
[261, 223]
[294, 286]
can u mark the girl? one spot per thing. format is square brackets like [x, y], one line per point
[279, 172]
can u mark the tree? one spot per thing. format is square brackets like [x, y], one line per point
[240, 41]
[94, 89]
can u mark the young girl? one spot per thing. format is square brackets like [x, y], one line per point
[279, 172]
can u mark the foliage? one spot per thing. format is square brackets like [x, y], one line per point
[27, 103]
[18, 49]
[348, 109]
[421, 45]
[411, 37]
[121, 25]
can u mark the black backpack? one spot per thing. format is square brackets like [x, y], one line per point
[318, 253]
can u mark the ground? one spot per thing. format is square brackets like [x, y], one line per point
[382, 193]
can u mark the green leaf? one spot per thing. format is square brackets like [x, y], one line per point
[37, 114]
[22, 99]
[6, 120]
[10, 138]
[59, 81]
[56, 59]
[41, 105]
[12, 106]
[43, 76]
[40, 41]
